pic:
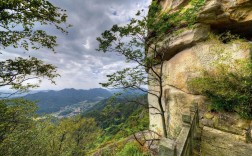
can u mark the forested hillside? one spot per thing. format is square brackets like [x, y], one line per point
[80, 135]
[52, 101]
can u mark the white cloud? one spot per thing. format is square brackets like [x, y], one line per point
[79, 64]
[87, 44]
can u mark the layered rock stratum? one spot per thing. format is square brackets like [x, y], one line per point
[196, 48]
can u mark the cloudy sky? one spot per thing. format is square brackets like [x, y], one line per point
[79, 65]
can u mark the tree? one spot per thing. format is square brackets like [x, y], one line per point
[16, 126]
[21, 133]
[136, 77]
[70, 136]
[19, 23]
[134, 43]
[14, 73]
[18, 18]
[142, 42]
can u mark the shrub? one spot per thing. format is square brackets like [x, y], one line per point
[228, 87]
[163, 21]
[131, 149]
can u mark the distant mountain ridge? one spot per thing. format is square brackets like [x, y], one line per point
[52, 101]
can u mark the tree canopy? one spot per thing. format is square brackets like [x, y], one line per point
[14, 73]
[19, 20]
[24, 25]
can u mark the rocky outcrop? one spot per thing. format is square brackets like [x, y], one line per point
[189, 62]
[194, 49]
[228, 14]
[187, 38]
[221, 14]
[179, 69]
[227, 122]
[173, 4]
[216, 142]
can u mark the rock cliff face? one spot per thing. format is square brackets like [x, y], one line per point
[194, 49]
[220, 14]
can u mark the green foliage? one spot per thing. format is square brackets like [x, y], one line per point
[16, 126]
[71, 136]
[14, 73]
[18, 19]
[131, 149]
[16, 115]
[228, 87]
[137, 121]
[162, 21]
[120, 118]
[23, 133]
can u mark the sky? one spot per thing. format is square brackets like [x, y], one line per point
[76, 59]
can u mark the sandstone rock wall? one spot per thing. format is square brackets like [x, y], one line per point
[216, 142]
[194, 49]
